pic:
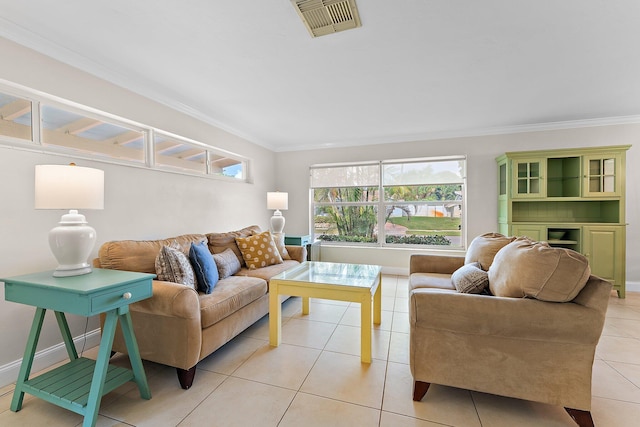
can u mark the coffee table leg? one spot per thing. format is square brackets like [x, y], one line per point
[275, 315]
[366, 326]
[377, 302]
[305, 305]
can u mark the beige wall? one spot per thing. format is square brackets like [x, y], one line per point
[482, 195]
[139, 203]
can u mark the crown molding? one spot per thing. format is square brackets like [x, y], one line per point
[31, 40]
[500, 130]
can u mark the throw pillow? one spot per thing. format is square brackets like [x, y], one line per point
[525, 268]
[227, 263]
[470, 279]
[204, 267]
[220, 242]
[278, 239]
[259, 250]
[485, 247]
[172, 265]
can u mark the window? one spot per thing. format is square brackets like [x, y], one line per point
[80, 132]
[15, 117]
[58, 126]
[417, 202]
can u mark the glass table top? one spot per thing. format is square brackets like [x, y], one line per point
[358, 275]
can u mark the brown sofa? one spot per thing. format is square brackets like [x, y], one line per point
[179, 326]
[522, 347]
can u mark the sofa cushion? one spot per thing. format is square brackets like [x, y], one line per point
[268, 272]
[230, 295]
[219, 242]
[172, 265]
[485, 247]
[140, 255]
[227, 263]
[259, 250]
[525, 268]
[204, 267]
[470, 279]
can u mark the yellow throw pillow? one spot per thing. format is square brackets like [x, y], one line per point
[259, 250]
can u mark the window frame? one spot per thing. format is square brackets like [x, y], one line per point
[381, 204]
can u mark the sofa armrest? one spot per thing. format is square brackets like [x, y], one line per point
[297, 253]
[170, 300]
[512, 318]
[435, 263]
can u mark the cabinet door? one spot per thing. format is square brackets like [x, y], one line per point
[602, 176]
[604, 246]
[533, 232]
[528, 178]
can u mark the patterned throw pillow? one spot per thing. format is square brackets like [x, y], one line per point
[259, 250]
[204, 267]
[227, 263]
[470, 279]
[172, 265]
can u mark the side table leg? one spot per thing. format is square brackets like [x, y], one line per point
[66, 335]
[139, 375]
[100, 370]
[27, 359]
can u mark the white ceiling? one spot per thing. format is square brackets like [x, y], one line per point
[416, 69]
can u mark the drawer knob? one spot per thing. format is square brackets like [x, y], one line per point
[126, 295]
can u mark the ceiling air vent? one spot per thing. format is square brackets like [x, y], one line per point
[323, 17]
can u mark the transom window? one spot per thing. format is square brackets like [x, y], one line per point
[396, 202]
[58, 126]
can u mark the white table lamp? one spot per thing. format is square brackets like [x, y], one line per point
[70, 187]
[277, 200]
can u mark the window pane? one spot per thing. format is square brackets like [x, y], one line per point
[226, 166]
[345, 194]
[345, 176]
[346, 223]
[427, 172]
[15, 117]
[410, 193]
[179, 154]
[71, 130]
[434, 224]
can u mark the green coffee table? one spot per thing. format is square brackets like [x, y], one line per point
[80, 384]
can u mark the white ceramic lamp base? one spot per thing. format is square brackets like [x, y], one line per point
[71, 243]
[277, 222]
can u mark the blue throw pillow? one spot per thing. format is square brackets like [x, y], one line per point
[203, 266]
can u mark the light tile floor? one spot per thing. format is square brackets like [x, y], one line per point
[315, 378]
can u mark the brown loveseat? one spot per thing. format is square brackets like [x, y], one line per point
[530, 344]
[179, 326]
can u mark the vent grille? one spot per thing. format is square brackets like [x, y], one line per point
[323, 17]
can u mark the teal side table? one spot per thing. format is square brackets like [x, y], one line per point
[80, 384]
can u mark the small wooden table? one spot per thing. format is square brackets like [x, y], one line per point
[336, 281]
[80, 384]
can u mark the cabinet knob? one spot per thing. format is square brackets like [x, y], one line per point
[126, 295]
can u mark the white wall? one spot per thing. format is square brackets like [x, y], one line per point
[482, 178]
[139, 203]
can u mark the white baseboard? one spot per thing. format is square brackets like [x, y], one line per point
[633, 286]
[395, 271]
[49, 356]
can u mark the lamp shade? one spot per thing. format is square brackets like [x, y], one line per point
[68, 187]
[277, 200]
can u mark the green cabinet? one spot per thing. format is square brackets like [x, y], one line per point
[571, 198]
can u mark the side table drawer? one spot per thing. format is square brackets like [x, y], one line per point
[115, 298]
